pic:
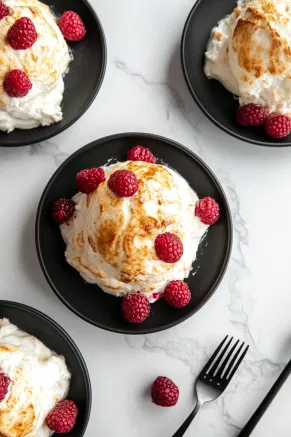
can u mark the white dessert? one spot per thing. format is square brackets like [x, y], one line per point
[39, 379]
[45, 63]
[249, 52]
[110, 240]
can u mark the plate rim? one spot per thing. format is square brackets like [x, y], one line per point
[227, 255]
[46, 137]
[198, 102]
[69, 340]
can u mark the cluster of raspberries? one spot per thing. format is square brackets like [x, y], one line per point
[168, 246]
[276, 126]
[22, 35]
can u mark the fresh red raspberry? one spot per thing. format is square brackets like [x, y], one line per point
[278, 126]
[207, 209]
[123, 183]
[63, 210]
[165, 393]
[17, 83]
[88, 180]
[4, 10]
[251, 115]
[157, 296]
[140, 153]
[177, 294]
[22, 34]
[135, 308]
[62, 417]
[169, 247]
[72, 26]
[4, 384]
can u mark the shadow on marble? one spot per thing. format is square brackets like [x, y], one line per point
[29, 255]
[285, 351]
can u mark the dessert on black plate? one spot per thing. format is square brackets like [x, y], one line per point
[118, 244]
[134, 229]
[45, 47]
[249, 52]
[44, 382]
[34, 57]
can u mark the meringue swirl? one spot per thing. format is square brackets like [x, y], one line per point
[44, 63]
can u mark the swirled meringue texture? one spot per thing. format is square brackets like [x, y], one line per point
[40, 379]
[249, 52]
[110, 241]
[45, 63]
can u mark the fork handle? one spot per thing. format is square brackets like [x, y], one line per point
[183, 428]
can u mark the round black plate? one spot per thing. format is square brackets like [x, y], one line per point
[215, 101]
[82, 82]
[55, 338]
[89, 301]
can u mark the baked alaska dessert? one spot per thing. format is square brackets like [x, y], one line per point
[249, 52]
[33, 383]
[132, 230]
[34, 57]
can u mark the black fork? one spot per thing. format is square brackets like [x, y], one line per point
[216, 376]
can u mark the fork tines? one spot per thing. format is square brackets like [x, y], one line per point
[225, 361]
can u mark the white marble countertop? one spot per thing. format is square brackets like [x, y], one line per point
[144, 90]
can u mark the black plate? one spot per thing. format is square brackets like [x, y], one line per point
[215, 101]
[90, 302]
[82, 82]
[55, 338]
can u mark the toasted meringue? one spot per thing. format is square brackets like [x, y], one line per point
[249, 52]
[44, 63]
[110, 241]
[39, 379]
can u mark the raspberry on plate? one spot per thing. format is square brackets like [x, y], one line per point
[63, 210]
[278, 126]
[135, 308]
[169, 247]
[72, 26]
[123, 183]
[251, 115]
[140, 153]
[88, 180]
[62, 417]
[156, 296]
[4, 10]
[4, 384]
[164, 392]
[22, 34]
[17, 83]
[177, 294]
[207, 209]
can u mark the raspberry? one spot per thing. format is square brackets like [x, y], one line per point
[251, 115]
[62, 417]
[123, 183]
[4, 10]
[207, 209]
[169, 247]
[72, 26]
[135, 307]
[140, 153]
[88, 180]
[4, 384]
[17, 83]
[278, 126]
[156, 296]
[177, 294]
[63, 210]
[165, 393]
[22, 34]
